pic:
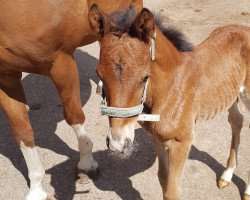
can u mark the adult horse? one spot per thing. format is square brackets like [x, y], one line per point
[40, 37]
[143, 65]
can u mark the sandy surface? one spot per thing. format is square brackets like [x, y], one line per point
[134, 178]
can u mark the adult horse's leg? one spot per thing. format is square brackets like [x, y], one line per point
[65, 76]
[12, 100]
[172, 155]
[235, 118]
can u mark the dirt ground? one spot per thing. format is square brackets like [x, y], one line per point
[134, 178]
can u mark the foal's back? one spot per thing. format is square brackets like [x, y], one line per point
[222, 68]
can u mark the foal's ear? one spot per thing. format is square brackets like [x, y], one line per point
[96, 19]
[144, 25]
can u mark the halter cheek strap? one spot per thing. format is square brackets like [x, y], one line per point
[152, 46]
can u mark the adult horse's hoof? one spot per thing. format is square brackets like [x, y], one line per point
[84, 177]
[246, 197]
[222, 183]
[37, 194]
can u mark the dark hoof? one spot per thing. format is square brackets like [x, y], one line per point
[99, 90]
[84, 177]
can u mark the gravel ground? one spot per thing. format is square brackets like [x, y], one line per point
[136, 177]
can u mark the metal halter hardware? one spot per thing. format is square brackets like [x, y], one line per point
[136, 110]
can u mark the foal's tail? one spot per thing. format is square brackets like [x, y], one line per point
[246, 52]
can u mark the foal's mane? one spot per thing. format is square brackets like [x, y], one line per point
[119, 23]
[176, 37]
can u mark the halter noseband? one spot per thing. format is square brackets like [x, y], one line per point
[136, 110]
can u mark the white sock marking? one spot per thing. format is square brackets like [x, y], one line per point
[85, 145]
[228, 174]
[36, 173]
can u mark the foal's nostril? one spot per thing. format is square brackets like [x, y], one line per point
[107, 141]
[127, 145]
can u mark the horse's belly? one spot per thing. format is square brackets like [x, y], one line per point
[216, 103]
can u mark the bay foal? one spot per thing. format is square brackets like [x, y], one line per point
[40, 37]
[181, 84]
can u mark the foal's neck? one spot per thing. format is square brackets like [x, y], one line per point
[163, 68]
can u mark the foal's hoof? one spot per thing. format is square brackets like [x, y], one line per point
[222, 183]
[84, 177]
[50, 197]
[246, 197]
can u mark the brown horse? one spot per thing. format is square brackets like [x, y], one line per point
[40, 37]
[143, 63]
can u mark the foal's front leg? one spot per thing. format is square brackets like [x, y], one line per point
[65, 76]
[172, 155]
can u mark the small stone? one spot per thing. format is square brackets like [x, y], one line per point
[35, 106]
[244, 13]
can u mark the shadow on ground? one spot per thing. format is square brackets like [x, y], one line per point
[218, 168]
[114, 172]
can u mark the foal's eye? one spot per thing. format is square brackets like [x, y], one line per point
[144, 80]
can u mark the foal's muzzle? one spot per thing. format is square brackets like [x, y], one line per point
[126, 148]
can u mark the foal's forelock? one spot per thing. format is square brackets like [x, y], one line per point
[119, 22]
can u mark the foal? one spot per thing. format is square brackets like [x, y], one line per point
[40, 37]
[141, 64]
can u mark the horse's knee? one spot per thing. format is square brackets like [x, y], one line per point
[74, 116]
[23, 133]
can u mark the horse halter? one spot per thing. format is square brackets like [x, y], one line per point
[136, 110]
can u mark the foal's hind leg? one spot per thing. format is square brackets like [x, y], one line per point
[235, 118]
[65, 76]
[247, 192]
[12, 100]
